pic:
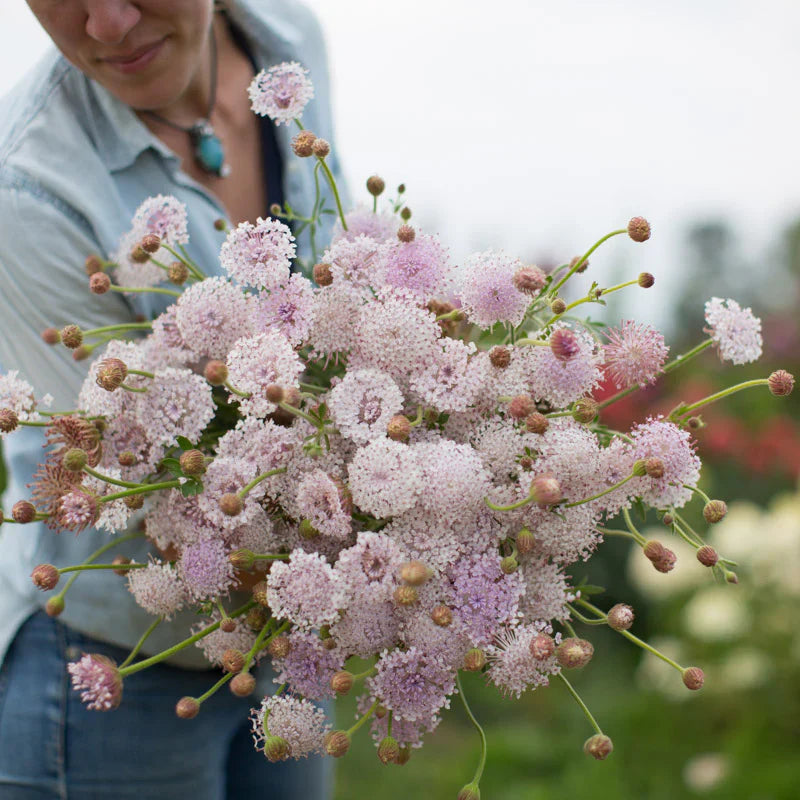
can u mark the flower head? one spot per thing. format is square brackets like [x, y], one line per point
[489, 294]
[299, 722]
[634, 354]
[736, 331]
[259, 255]
[281, 92]
[98, 680]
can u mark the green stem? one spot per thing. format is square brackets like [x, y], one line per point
[140, 372]
[142, 290]
[231, 388]
[215, 688]
[253, 483]
[164, 654]
[627, 534]
[271, 556]
[312, 387]
[128, 326]
[601, 494]
[580, 702]
[681, 411]
[578, 264]
[143, 489]
[518, 504]
[29, 424]
[360, 722]
[299, 413]
[106, 479]
[484, 749]
[141, 641]
[418, 419]
[631, 527]
[82, 567]
[590, 299]
[332, 182]
[132, 388]
[581, 618]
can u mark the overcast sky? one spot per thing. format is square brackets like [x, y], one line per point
[538, 126]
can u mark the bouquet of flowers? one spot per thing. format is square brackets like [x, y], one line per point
[400, 459]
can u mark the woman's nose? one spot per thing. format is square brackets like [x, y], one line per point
[110, 21]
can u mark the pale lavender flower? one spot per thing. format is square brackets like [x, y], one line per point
[634, 354]
[76, 510]
[354, 260]
[162, 215]
[488, 294]
[512, 667]
[736, 331]
[288, 309]
[176, 521]
[363, 221]
[225, 475]
[368, 625]
[299, 722]
[205, 569]
[166, 343]
[114, 515]
[308, 666]
[158, 589]
[446, 382]
[281, 92]
[321, 500]
[421, 266]
[363, 402]
[337, 309]
[305, 590]
[97, 678]
[546, 591]
[449, 645]
[384, 478]
[131, 273]
[259, 255]
[262, 443]
[17, 394]
[370, 565]
[218, 641]
[256, 362]
[407, 733]
[567, 536]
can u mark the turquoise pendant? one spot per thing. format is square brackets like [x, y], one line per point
[208, 151]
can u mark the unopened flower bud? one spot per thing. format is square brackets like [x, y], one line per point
[23, 512]
[731, 577]
[639, 229]
[233, 660]
[521, 406]
[653, 549]
[668, 519]
[93, 264]
[500, 356]
[695, 423]
[276, 748]
[442, 616]
[388, 750]
[322, 274]
[111, 374]
[231, 504]
[654, 467]
[178, 273]
[399, 428]
[54, 606]
[99, 283]
[121, 561]
[707, 555]
[620, 617]
[220, 224]
[342, 681]
[584, 265]
[414, 573]
[256, 618]
[573, 653]
[71, 336]
[227, 625]
[45, 577]
[598, 746]
[259, 592]
[542, 646]
[74, 460]
[545, 490]
[558, 306]
[279, 647]
[126, 458]
[303, 144]
[529, 280]
[526, 542]
[474, 660]
[526, 463]
[469, 792]
[51, 336]
[645, 280]
[292, 397]
[781, 383]
[693, 678]
[667, 561]
[134, 501]
[275, 393]
[243, 684]
[639, 468]
[321, 148]
[139, 255]
[187, 708]
[242, 558]
[150, 242]
[375, 185]
[715, 511]
[81, 353]
[585, 410]
[275, 209]
[508, 565]
[336, 743]
[307, 530]
[8, 420]
[536, 423]
[564, 344]
[405, 595]
[406, 234]
[192, 462]
[216, 372]
[405, 213]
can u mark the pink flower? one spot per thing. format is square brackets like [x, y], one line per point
[97, 678]
[489, 295]
[634, 354]
[736, 331]
[259, 255]
[281, 92]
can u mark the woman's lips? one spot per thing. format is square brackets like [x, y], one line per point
[136, 60]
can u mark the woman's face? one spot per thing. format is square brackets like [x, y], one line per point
[150, 54]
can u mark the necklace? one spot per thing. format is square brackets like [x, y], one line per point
[206, 145]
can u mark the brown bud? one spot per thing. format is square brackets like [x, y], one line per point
[542, 646]
[8, 420]
[574, 653]
[442, 616]
[620, 617]
[536, 423]
[406, 234]
[399, 428]
[279, 647]
[639, 229]
[51, 336]
[80, 353]
[654, 467]
[260, 593]
[521, 406]
[405, 213]
[598, 746]
[216, 372]
[139, 255]
[150, 243]
[192, 462]
[564, 344]
[23, 512]
[707, 555]
[178, 273]
[558, 306]
[126, 459]
[99, 283]
[93, 264]
[242, 558]
[499, 356]
[403, 756]
[668, 520]
[695, 423]
[645, 280]
[405, 595]
[321, 148]
[220, 224]
[243, 684]
[275, 209]
[715, 511]
[469, 792]
[322, 274]
[545, 490]
[121, 561]
[414, 573]
[276, 748]
[526, 542]
[275, 393]
[54, 606]
[233, 660]
[134, 501]
[584, 264]
[731, 577]
[667, 561]
[653, 550]
[585, 410]
[474, 660]
[292, 397]
[526, 463]
[187, 708]
[388, 750]
[45, 577]
[303, 144]
[256, 618]
[529, 280]
[231, 504]
[375, 185]
[693, 678]
[71, 336]
[74, 460]
[227, 625]
[342, 682]
[336, 743]
[781, 383]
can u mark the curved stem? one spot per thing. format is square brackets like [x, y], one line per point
[83, 567]
[484, 748]
[107, 479]
[578, 264]
[142, 489]
[518, 504]
[245, 489]
[601, 494]
[580, 702]
[335, 190]
[143, 290]
[128, 326]
[682, 411]
[141, 641]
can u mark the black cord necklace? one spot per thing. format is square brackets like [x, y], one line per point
[206, 145]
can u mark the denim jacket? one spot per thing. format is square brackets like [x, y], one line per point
[75, 163]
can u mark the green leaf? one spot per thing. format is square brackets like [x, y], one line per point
[590, 589]
[184, 443]
[191, 488]
[640, 509]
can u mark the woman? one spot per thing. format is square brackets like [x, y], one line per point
[117, 115]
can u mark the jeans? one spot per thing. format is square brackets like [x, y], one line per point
[53, 748]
